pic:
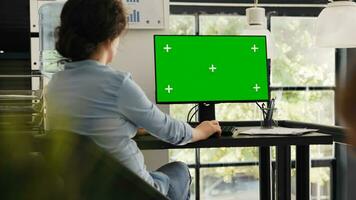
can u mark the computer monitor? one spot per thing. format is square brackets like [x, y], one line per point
[211, 69]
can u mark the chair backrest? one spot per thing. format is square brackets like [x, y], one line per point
[88, 172]
[25, 174]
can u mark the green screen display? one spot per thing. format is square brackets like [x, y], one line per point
[193, 69]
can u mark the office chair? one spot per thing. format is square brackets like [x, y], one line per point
[70, 166]
[23, 173]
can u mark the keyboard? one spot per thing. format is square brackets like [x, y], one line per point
[225, 131]
[228, 130]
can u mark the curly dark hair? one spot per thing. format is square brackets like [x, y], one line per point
[87, 23]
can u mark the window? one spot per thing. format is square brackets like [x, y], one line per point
[302, 80]
[222, 25]
[182, 24]
[240, 183]
[298, 63]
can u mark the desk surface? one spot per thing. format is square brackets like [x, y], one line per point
[149, 142]
[326, 135]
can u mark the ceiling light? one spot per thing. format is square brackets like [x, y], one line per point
[336, 25]
[257, 25]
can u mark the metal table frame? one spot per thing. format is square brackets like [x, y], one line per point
[325, 135]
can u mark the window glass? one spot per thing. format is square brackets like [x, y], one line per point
[192, 186]
[308, 106]
[222, 24]
[182, 24]
[238, 183]
[320, 184]
[321, 151]
[237, 112]
[180, 111]
[184, 155]
[297, 61]
[305, 106]
[228, 155]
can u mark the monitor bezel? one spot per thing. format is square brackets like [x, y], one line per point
[268, 66]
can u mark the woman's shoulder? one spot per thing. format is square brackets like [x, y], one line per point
[109, 72]
[118, 75]
[95, 71]
[116, 78]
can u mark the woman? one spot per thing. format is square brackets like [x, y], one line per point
[348, 108]
[90, 98]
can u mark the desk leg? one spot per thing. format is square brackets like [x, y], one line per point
[283, 162]
[303, 171]
[265, 173]
[197, 174]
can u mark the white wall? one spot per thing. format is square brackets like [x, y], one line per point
[136, 55]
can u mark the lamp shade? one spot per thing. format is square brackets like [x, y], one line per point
[260, 30]
[257, 25]
[336, 25]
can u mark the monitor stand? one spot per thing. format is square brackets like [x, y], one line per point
[206, 112]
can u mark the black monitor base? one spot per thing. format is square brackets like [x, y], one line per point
[206, 112]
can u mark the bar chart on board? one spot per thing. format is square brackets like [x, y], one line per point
[146, 14]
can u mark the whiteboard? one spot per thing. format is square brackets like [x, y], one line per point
[145, 14]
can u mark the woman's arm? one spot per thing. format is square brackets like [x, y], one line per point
[134, 105]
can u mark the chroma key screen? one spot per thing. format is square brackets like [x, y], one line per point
[193, 69]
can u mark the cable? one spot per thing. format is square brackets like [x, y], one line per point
[190, 112]
[191, 118]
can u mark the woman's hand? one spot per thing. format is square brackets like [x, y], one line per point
[205, 129]
[141, 131]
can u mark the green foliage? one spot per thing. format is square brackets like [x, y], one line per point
[181, 25]
[297, 61]
[222, 25]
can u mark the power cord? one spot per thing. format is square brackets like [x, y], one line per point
[189, 119]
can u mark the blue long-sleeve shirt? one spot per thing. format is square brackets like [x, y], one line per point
[107, 105]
